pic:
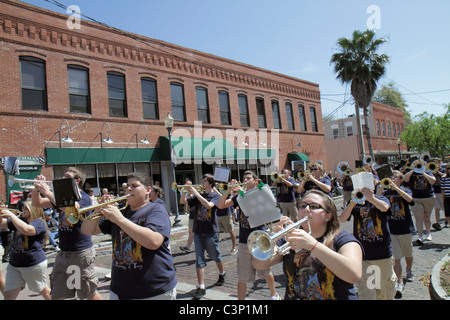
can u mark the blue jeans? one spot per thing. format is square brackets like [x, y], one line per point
[208, 242]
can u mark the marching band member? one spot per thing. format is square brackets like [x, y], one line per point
[325, 263]
[142, 265]
[28, 264]
[285, 195]
[317, 179]
[206, 237]
[247, 266]
[77, 249]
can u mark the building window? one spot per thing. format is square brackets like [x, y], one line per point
[202, 104]
[79, 98]
[398, 130]
[378, 128]
[301, 112]
[261, 113]
[290, 117]
[117, 94]
[177, 96]
[149, 99]
[243, 110]
[33, 83]
[384, 128]
[394, 132]
[349, 130]
[389, 129]
[224, 106]
[312, 112]
[276, 115]
[335, 133]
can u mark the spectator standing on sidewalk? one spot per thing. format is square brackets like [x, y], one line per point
[446, 194]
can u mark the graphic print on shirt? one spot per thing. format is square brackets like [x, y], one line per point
[397, 208]
[127, 253]
[20, 243]
[311, 280]
[369, 229]
[204, 214]
[421, 183]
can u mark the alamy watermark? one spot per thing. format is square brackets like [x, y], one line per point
[74, 20]
[373, 22]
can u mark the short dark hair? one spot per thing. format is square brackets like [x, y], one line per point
[159, 190]
[254, 176]
[141, 177]
[78, 174]
[209, 177]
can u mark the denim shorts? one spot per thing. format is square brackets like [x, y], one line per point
[208, 242]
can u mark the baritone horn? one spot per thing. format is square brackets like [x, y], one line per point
[261, 244]
[418, 166]
[73, 214]
[344, 168]
[358, 196]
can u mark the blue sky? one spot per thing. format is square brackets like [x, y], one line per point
[297, 38]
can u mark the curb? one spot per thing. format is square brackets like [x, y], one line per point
[436, 291]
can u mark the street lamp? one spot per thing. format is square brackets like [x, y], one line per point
[168, 123]
[144, 141]
[107, 140]
[399, 150]
[67, 138]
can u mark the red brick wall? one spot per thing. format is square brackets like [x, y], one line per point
[29, 30]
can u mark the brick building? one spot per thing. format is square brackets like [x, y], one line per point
[94, 85]
[386, 125]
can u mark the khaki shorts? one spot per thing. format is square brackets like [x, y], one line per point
[225, 223]
[402, 245]
[68, 265]
[423, 205]
[35, 277]
[245, 269]
[378, 280]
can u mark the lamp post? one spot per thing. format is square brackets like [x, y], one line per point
[107, 140]
[67, 138]
[168, 123]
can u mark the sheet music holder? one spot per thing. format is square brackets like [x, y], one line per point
[66, 192]
[384, 171]
[259, 205]
[222, 174]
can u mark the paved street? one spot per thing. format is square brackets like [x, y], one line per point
[425, 257]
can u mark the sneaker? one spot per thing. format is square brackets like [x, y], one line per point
[233, 251]
[409, 275]
[199, 293]
[399, 291]
[275, 297]
[429, 238]
[221, 280]
[185, 249]
[419, 241]
[446, 224]
[437, 226]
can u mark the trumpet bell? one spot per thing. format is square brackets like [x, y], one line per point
[342, 167]
[302, 175]
[432, 167]
[72, 215]
[386, 183]
[260, 245]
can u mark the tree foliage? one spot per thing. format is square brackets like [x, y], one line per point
[391, 96]
[429, 133]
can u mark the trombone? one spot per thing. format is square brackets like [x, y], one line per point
[224, 187]
[175, 187]
[262, 245]
[73, 214]
[23, 182]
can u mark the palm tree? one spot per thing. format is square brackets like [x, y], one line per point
[359, 64]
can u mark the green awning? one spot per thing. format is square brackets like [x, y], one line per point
[297, 156]
[56, 156]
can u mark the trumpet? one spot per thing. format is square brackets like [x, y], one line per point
[73, 214]
[275, 176]
[418, 166]
[303, 175]
[432, 167]
[358, 197]
[17, 212]
[386, 183]
[23, 182]
[175, 187]
[225, 187]
[262, 245]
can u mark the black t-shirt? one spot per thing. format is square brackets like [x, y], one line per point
[205, 220]
[420, 186]
[400, 221]
[138, 272]
[309, 279]
[285, 193]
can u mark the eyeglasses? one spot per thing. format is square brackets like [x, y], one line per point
[314, 169]
[312, 206]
